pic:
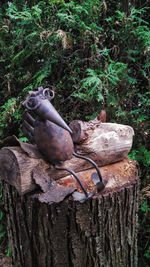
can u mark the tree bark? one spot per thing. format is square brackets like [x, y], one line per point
[101, 232]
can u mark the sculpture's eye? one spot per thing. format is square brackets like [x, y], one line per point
[48, 93]
[32, 103]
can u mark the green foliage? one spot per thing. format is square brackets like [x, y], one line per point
[79, 48]
[142, 155]
[8, 113]
[91, 87]
[145, 207]
[147, 253]
[8, 254]
[100, 83]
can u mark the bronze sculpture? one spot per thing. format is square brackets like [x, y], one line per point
[52, 135]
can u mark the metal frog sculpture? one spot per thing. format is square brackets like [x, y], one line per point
[52, 135]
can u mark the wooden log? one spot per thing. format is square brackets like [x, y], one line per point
[100, 232]
[82, 132]
[16, 168]
[105, 143]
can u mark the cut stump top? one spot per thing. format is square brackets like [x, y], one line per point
[118, 175]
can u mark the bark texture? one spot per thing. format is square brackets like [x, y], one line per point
[101, 232]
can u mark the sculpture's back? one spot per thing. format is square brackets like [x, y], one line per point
[54, 142]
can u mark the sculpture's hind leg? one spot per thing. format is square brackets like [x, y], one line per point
[96, 177]
[81, 196]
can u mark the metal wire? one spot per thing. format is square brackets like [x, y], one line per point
[76, 177]
[92, 162]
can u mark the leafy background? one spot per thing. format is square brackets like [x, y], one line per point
[95, 55]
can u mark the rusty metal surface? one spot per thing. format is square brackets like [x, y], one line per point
[56, 194]
[39, 102]
[54, 142]
[52, 192]
[117, 175]
[49, 131]
[41, 178]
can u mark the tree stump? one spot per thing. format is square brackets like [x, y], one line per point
[47, 226]
[101, 232]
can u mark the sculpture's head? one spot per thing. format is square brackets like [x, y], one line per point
[39, 102]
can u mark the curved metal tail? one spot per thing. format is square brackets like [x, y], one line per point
[92, 162]
[96, 177]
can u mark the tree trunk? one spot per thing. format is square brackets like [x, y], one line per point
[49, 227]
[101, 232]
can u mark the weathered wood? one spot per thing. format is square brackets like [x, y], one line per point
[105, 143]
[85, 131]
[116, 174]
[16, 168]
[100, 232]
